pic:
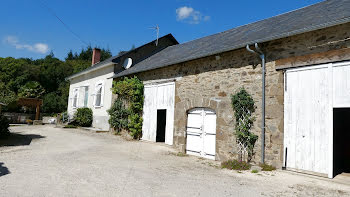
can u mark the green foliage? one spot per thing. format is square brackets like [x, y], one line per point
[86, 54]
[118, 115]
[267, 167]
[56, 102]
[243, 106]
[83, 117]
[6, 95]
[49, 72]
[130, 91]
[235, 165]
[255, 171]
[31, 89]
[135, 125]
[70, 126]
[4, 125]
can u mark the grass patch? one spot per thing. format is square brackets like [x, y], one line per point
[267, 167]
[70, 127]
[255, 171]
[180, 154]
[236, 165]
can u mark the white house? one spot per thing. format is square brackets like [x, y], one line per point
[92, 87]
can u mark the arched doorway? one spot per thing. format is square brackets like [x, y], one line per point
[201, 133]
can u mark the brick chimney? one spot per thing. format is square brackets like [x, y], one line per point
[96, 56]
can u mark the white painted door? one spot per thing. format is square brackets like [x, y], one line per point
[201, 133]
[307, 119]
[158, 96]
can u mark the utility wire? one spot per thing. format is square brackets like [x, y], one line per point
[64, 24]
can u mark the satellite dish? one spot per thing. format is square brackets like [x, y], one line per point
[127, 63]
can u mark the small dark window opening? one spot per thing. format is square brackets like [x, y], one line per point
[341, 136]
[161, 124]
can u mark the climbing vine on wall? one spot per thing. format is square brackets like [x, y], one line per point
[130, 93]
[243, 107]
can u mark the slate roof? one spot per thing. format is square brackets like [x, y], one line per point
[114, 59]
[321, 15]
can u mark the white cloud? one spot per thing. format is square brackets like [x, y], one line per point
[190, 15]
[37, 47]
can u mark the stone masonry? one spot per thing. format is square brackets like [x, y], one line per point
[210, 81]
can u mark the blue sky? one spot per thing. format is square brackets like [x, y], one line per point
[28, 28]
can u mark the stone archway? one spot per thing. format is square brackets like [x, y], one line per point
[181, 110]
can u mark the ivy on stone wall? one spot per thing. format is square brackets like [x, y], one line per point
[130, 94]
[243, 107]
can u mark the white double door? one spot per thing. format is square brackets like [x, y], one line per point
[310, 95]
[158, 97]
[201, 133]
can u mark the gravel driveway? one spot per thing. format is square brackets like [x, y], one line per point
[49, 161]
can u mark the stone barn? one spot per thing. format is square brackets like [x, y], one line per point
[188, 87]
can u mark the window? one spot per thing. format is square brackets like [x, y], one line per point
[75, 97]
[86, 88]
[99, 95]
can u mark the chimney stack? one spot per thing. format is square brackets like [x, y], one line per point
[96, 56]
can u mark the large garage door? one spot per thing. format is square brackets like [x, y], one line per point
[159, 97]
[310, 95]
[307, 119]
[201, 133]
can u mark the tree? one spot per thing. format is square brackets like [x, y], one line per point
[6, 95]
[20, 77]
[31, 89]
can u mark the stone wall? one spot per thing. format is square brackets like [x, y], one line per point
[209, 82]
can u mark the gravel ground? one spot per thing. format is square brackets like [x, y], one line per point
[49, 161]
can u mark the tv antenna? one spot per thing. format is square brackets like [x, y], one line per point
[157, 29]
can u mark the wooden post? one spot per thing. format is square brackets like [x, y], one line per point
[37, 114]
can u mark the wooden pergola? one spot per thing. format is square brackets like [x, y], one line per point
[32, 102]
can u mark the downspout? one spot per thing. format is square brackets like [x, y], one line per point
[262, 57]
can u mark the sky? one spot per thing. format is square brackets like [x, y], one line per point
[30, 28]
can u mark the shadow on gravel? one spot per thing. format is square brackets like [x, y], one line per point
[3, 170]
[16, 139]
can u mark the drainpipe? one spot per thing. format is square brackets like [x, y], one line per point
[262, 57]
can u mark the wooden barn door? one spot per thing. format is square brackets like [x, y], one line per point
[308, 119]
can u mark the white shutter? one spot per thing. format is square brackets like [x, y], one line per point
[102, 93]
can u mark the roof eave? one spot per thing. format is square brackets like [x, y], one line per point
[89, 70]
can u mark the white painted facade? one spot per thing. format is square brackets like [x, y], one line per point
[98, 83]
[201, 133]
[310, 95]
[158, 96]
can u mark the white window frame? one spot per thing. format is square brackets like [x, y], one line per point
[99, 84]
[86, 99]
[75, 94]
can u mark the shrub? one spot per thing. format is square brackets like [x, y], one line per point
[135, 126]
[83, 117]
[243, 106]
[70, 127]
[4, 126]
[130, 92]
[255, 171]
[235, 165]
[267, 167]
[118, 115]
